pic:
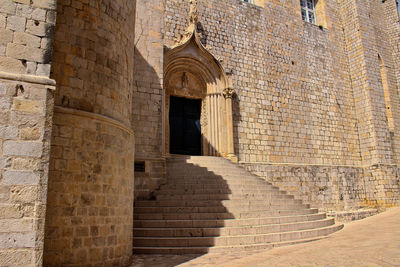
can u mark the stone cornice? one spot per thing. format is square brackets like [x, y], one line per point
[28, 78]
[94, 116]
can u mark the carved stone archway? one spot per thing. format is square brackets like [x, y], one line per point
[191, 71]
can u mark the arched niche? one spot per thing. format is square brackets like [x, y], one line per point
[191, 71]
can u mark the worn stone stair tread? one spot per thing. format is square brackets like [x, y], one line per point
[318, 231]
[283, 211]
[218, 203]
[243, 226]
[247, 221]
[201, 250]
[234, 230]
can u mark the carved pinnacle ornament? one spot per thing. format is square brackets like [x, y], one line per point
[193, 15]
[228, 92]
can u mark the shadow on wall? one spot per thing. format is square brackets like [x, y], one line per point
[147, 125]
[187, 214]
[237, 118]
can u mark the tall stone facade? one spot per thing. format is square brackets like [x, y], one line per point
[316, 106]
[314, 109]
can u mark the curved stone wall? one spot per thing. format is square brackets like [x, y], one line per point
[90, 214]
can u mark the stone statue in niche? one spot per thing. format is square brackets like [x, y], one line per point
[185, 82]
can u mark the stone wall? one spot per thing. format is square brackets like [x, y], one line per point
[334, 188]
[295, 103]
[90, 217]
[26, 108]
[147, 95]
[307, 95]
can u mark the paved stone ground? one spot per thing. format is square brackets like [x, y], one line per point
[374, 241]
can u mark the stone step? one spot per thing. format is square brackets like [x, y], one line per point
[205, 209]
[207, 173]
[232, 203]
[253, 196]
[229, 222]
[239, 191]
[213, 177]
[241, 186]
[220, 249]
[232, 240]
[231, 231]
[223, 215]
[211, 204]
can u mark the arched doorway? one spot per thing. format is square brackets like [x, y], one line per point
[195, 78]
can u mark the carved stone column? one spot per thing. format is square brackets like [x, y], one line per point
[228, 94]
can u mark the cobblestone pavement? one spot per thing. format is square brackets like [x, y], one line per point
[374, 241]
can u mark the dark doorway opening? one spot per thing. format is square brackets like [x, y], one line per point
[185, 129]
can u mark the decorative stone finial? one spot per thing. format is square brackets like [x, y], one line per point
[193, 14]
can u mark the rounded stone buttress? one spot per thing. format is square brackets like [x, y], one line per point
[89, 219]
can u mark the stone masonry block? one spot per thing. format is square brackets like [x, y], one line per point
[17, 240]
[11, 212]
[29, 149]
[3, 89]
[38, 28]
[5, 103]
[8, 132]
[43, 70]
[11, 65]
[29, 12]
[2, 21]
[51, 17]
[31, 67]
[46, 4]
[23, 38]
[16, 23]
[2, 50]
[25, 194]
[7, 6]
[15, 258]
[25, 225]
[27, 106]
[20, 177]
[5, 36]
[23, 52]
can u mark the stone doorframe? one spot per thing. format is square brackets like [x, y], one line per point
[191, 71]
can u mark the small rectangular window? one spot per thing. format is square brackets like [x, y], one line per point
[140, 166]
[308, 11]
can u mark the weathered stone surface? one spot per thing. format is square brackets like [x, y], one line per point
[17, 240]
[7, 7]
[20, 177]
[5, 36]
[11, 64]
[26, 39]
[46, 4]
[16, 23]
[32, 149]
[16, 258]
[25, 53]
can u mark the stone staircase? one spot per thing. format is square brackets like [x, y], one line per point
[210, 204]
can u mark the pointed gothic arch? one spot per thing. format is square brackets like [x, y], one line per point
[191, 71]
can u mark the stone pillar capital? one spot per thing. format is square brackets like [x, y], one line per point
[228, 92]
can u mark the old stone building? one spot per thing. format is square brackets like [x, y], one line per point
[94, 95]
